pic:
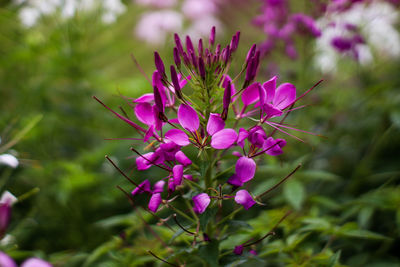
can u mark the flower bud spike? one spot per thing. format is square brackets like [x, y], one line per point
[200, 47]
[226, 100]
[235, 42]
[250, 54]
[186, 59]
[159, 64]
[178, 43]
[177, 58]
[212, 37]
[202, 69]
[189, 45]
[175, 82]
[194, 59]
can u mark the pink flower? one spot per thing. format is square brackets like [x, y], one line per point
[244, 198]
[201, 202]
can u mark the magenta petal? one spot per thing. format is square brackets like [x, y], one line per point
[235, 181]
[238, 250]
[274, 146]
[237, 154]
[243, 134]
[188, 177]
[155, 202]
[243, 197]
[171, 185]
[144, 113]
[224, 138]
[188, 118]
[182, 158]
[143, 187]
[142, 163]
[215, 123]
[245, 169]
[35, 262]
[146, 98]
[149, 133]
[201, 202]
[177, 171]
[6, 260]
[285, 95]
[270, 87]
[159, 187]
[272, 111]
[177, 136]
[250, 95]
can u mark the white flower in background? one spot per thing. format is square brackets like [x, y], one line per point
[356, 32]
[198, 15]
[10, 160]
[157, 3]
[32, 10]
[154, 26]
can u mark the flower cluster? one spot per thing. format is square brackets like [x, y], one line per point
[188, 113]
[174, 117]
[281, 26]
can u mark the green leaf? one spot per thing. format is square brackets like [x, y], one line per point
[210, 253]
[334, 260]
[206, 216]
[294, 193]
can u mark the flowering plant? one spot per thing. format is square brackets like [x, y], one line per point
[184, 124]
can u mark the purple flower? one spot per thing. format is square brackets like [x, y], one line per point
[274, 147]
[158, 187]
[245, 169]
[201, 202]
[177, 136]
[182, 158]
[143, 187]
[224, 139]
[6, 261]
[243, 134]
[235, 181]
[155, 202]
[177, 171]
[35, 262]
[144, 113]
[188, 118]
[238, 250]
[243, 197]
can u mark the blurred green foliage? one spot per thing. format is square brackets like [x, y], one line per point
[345, 198]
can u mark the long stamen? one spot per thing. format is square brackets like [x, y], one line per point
[155, 256]
[306, 92]
[265, 150]
[152, 162]
[291, 135]
[183, 228]
[121, 172]
[280, 182]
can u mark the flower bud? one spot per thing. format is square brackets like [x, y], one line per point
[212, 36]
[175, 82]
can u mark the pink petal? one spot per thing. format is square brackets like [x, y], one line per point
[142, 163]
[35, 262]
[250, 95]
[238, 250]
[243, 134]
[188, 177]
[182, 158]
[155, 202]
[143, 187]
[201, 202]
[274, 146]
[245, 169]
[272, 111]
[159, 187]
[6, 260]
[224, 139]
[146, 98]
[270, 87]
[235, 181]
[149, 133]
[188, 118]
[285, 96]
[243, 197]
[177, 136]
[215, 123]
[177, 171]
